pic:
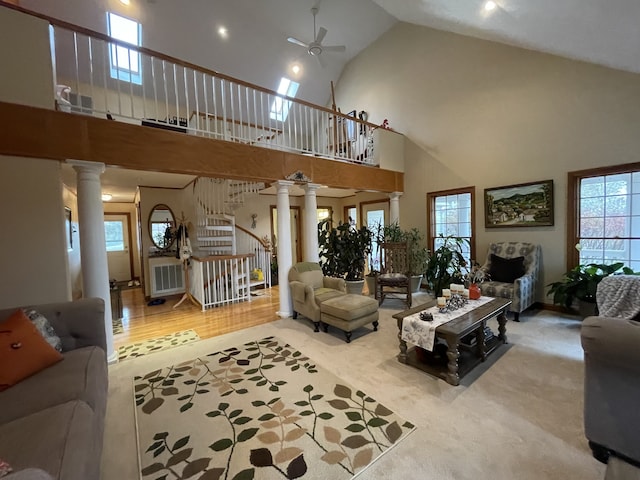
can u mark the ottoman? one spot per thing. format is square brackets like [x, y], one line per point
[348, 312]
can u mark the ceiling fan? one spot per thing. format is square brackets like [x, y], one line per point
[315, 48]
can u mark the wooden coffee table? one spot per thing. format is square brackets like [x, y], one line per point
[461, 357]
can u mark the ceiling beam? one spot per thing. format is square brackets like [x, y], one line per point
[49, 134]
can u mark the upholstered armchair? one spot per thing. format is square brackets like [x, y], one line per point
[612, 371]
[514, 268]
[309, 288]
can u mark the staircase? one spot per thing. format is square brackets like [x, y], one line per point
[225, 279]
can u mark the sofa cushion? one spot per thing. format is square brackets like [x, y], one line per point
[60, 440]
[323, 294]
[506, 269]
[350, 307]
[81, 375]
[23, 350]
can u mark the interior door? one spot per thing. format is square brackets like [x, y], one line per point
[375, 214]
[117, 236]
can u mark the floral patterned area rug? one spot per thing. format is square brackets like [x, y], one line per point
[157, 344]
[259, 411]
[117, 326]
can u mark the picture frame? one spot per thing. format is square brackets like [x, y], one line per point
[521, 205]
[68, 223]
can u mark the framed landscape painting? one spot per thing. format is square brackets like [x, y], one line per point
[523, 205]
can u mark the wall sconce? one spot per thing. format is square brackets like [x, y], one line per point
[254, 216]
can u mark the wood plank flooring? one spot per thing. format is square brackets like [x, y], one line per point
[141, 322]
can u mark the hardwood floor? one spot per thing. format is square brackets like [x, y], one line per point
[142, 322]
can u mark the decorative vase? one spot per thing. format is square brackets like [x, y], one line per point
[474, 291]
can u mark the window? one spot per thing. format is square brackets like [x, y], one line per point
[280, 107]
[452, 212]
[125, 63]
[604, 217]
[114, 236]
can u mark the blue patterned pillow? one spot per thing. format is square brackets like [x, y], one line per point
[44, 327]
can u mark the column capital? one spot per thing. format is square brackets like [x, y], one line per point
[311, 187]
[283, 185]
[85, 166]
[395, 195]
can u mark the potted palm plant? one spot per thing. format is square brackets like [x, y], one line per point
[343, 252]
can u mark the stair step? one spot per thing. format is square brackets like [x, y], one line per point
[219, 238]
[220, 228]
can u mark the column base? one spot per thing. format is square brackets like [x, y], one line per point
[284, 314]
[113, 358]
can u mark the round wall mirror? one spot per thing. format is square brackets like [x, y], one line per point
[162, 226]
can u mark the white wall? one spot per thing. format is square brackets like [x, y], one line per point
[149, 198]
[70, 200]
[28, 60]
[33, 244]
[483, 114]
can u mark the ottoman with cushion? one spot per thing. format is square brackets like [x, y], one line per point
[348, 312]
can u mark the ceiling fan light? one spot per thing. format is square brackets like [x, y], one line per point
[315, 50]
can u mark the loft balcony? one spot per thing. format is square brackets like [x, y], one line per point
[170, 115]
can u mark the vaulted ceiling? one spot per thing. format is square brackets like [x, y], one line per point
[256, 49]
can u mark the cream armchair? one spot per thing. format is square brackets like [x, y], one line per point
[512, 277]
[309, 288]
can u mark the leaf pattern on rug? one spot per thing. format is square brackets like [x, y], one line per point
[261, 411]
[157, 344]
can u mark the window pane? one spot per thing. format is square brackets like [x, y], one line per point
[114, 236]
[452, 217]
[610, 219]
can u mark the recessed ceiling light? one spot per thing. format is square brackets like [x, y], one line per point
[490, 5]
[106, 197]
[125, 2]
[223, 32]
[296, 68]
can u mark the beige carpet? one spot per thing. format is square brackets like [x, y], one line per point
[154, 345]
[516, 417]
[259, 410]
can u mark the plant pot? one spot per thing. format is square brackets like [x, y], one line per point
[474, 291]
[355, 286]
[587, 309]
[371, 284]
[416, 281]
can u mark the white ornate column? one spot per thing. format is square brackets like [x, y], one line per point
[394, 208]
[93, 250]
[311, 222]
[285, 260]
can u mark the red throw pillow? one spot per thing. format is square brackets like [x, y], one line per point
[23, 350]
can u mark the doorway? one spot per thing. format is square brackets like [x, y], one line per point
[118, 242]
[374, 214]
[296, 248]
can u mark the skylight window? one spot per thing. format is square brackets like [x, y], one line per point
[280, 107]
[125, 63]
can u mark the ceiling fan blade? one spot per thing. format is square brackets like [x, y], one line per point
[321, 61]
[321, 34]
[295, 41]
[334, 48]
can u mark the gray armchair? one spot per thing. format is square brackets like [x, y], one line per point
[522, 290]
[309, 288]
[612, 371]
